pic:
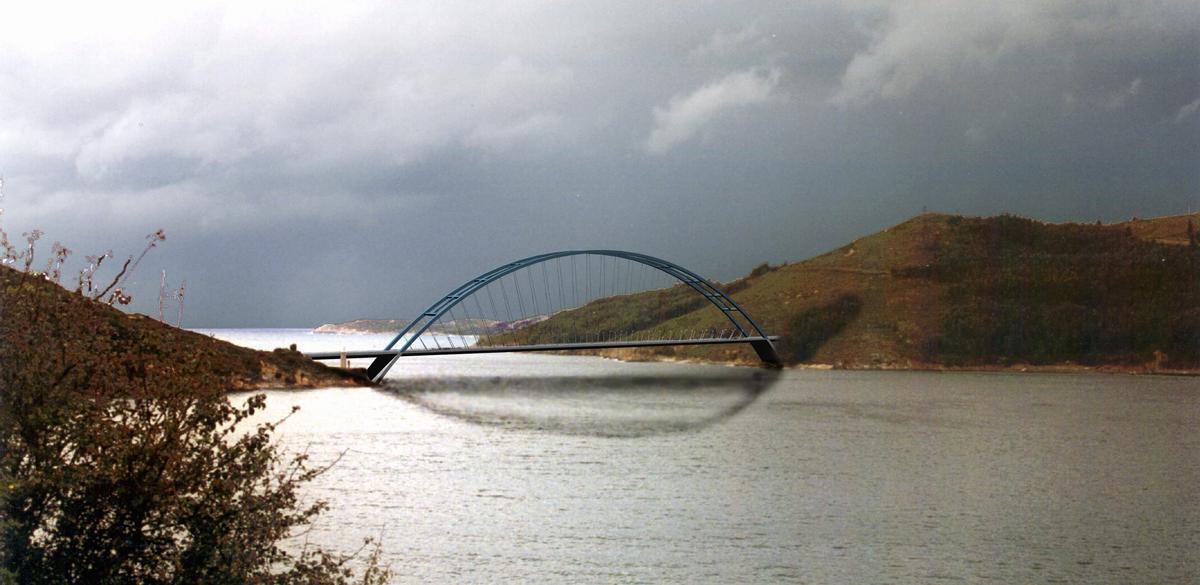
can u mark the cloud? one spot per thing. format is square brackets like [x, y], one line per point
[175, 127]
[685, 116]
[1119, 98]
[514, 84]
[975, 133]
[1187, 110]
[915, 41]
[540, 131]
[518, 103]
[726, 42]
[313, 92]
[391, 139]
[939, 44]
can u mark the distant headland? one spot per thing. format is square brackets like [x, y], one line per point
[455, 327]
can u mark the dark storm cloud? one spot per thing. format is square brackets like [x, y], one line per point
[315, 163]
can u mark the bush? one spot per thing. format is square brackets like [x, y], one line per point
[119, 467]
[761, 269]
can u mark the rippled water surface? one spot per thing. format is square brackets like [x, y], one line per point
[531, 468]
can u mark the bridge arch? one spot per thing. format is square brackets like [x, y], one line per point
[746, 329]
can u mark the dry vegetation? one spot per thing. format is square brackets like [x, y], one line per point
[122, 460]
[238, 368]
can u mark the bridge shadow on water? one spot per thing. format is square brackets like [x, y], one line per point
[590, 405]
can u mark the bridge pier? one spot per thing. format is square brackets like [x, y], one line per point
[766, 352]
[379, 366]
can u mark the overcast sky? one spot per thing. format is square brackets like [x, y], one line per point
[314, 163]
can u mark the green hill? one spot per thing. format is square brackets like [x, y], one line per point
[948, 291]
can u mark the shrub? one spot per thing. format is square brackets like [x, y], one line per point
[117, 466]
[761, 269]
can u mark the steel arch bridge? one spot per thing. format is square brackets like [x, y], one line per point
[442, 325]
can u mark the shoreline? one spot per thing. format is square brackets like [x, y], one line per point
[624, 355]
[1062, 368]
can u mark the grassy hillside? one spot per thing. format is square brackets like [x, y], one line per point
[941, 290]
[48, 331]
[1022, 291]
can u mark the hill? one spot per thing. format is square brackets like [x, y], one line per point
[943, 291]
[46, 330]
[363, 326]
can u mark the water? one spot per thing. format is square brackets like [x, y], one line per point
[530, 468]
[306, 340]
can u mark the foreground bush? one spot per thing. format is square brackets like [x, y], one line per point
[151, 481]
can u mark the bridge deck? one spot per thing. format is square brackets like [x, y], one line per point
[378, 353]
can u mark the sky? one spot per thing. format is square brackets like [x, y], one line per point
[318, 162]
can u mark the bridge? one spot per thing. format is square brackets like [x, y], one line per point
[573, 300]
